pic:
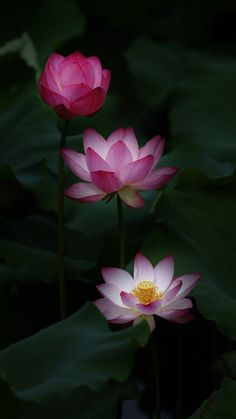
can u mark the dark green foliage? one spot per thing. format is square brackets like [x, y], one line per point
[58, 366]
[221, 403]
[174, 73]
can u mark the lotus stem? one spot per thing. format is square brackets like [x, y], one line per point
[121, 232]
[61, 228]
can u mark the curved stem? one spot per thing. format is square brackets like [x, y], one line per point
[61, 234]
[121, 231]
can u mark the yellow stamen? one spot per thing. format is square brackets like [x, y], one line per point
[147, 292]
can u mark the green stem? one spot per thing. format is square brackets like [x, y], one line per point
[61, 233]
[121, 231]
[155, 369]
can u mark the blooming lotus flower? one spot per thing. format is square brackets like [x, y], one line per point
[116, 165]
[152, 291]
[74, 85]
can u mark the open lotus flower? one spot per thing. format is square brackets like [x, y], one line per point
[116, 165]
[152, 291]
[74, 85]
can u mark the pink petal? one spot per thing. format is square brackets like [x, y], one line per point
[177, 316]
[51, 76]
[131, 198]
[111, 292]
[95, 162]
[84, 192]
[109, 309]
[95, 141]
[180, 304]
[167, 314]
[117, 135]
[149, 319]
[55, 60]
[171, 293]
[77, 163]
[71, 73]
[106, 181]
[90, 103]
[97, 68]
[173, 284]
[106, 79]
[153, 147]
[150, 308]
[137, 170]
[118, 156]
[128, 299]
[156, 179]
[188, 283]
[43, 80]
[51, 98]
[130, 140]
[64, 112]
[127, 136]
[164, 272]
[143, 269]
[118, 277]
[76, 57]
[73, 92]
[159, 151]
[53, 69]
[89, 74]
[125, 317]
[184, 319]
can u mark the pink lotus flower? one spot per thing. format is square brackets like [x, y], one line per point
[116, 165]
[74, 85]
[152, 291]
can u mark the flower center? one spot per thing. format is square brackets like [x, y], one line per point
[147, 292]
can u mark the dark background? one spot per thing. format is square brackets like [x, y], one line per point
[173, 70]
